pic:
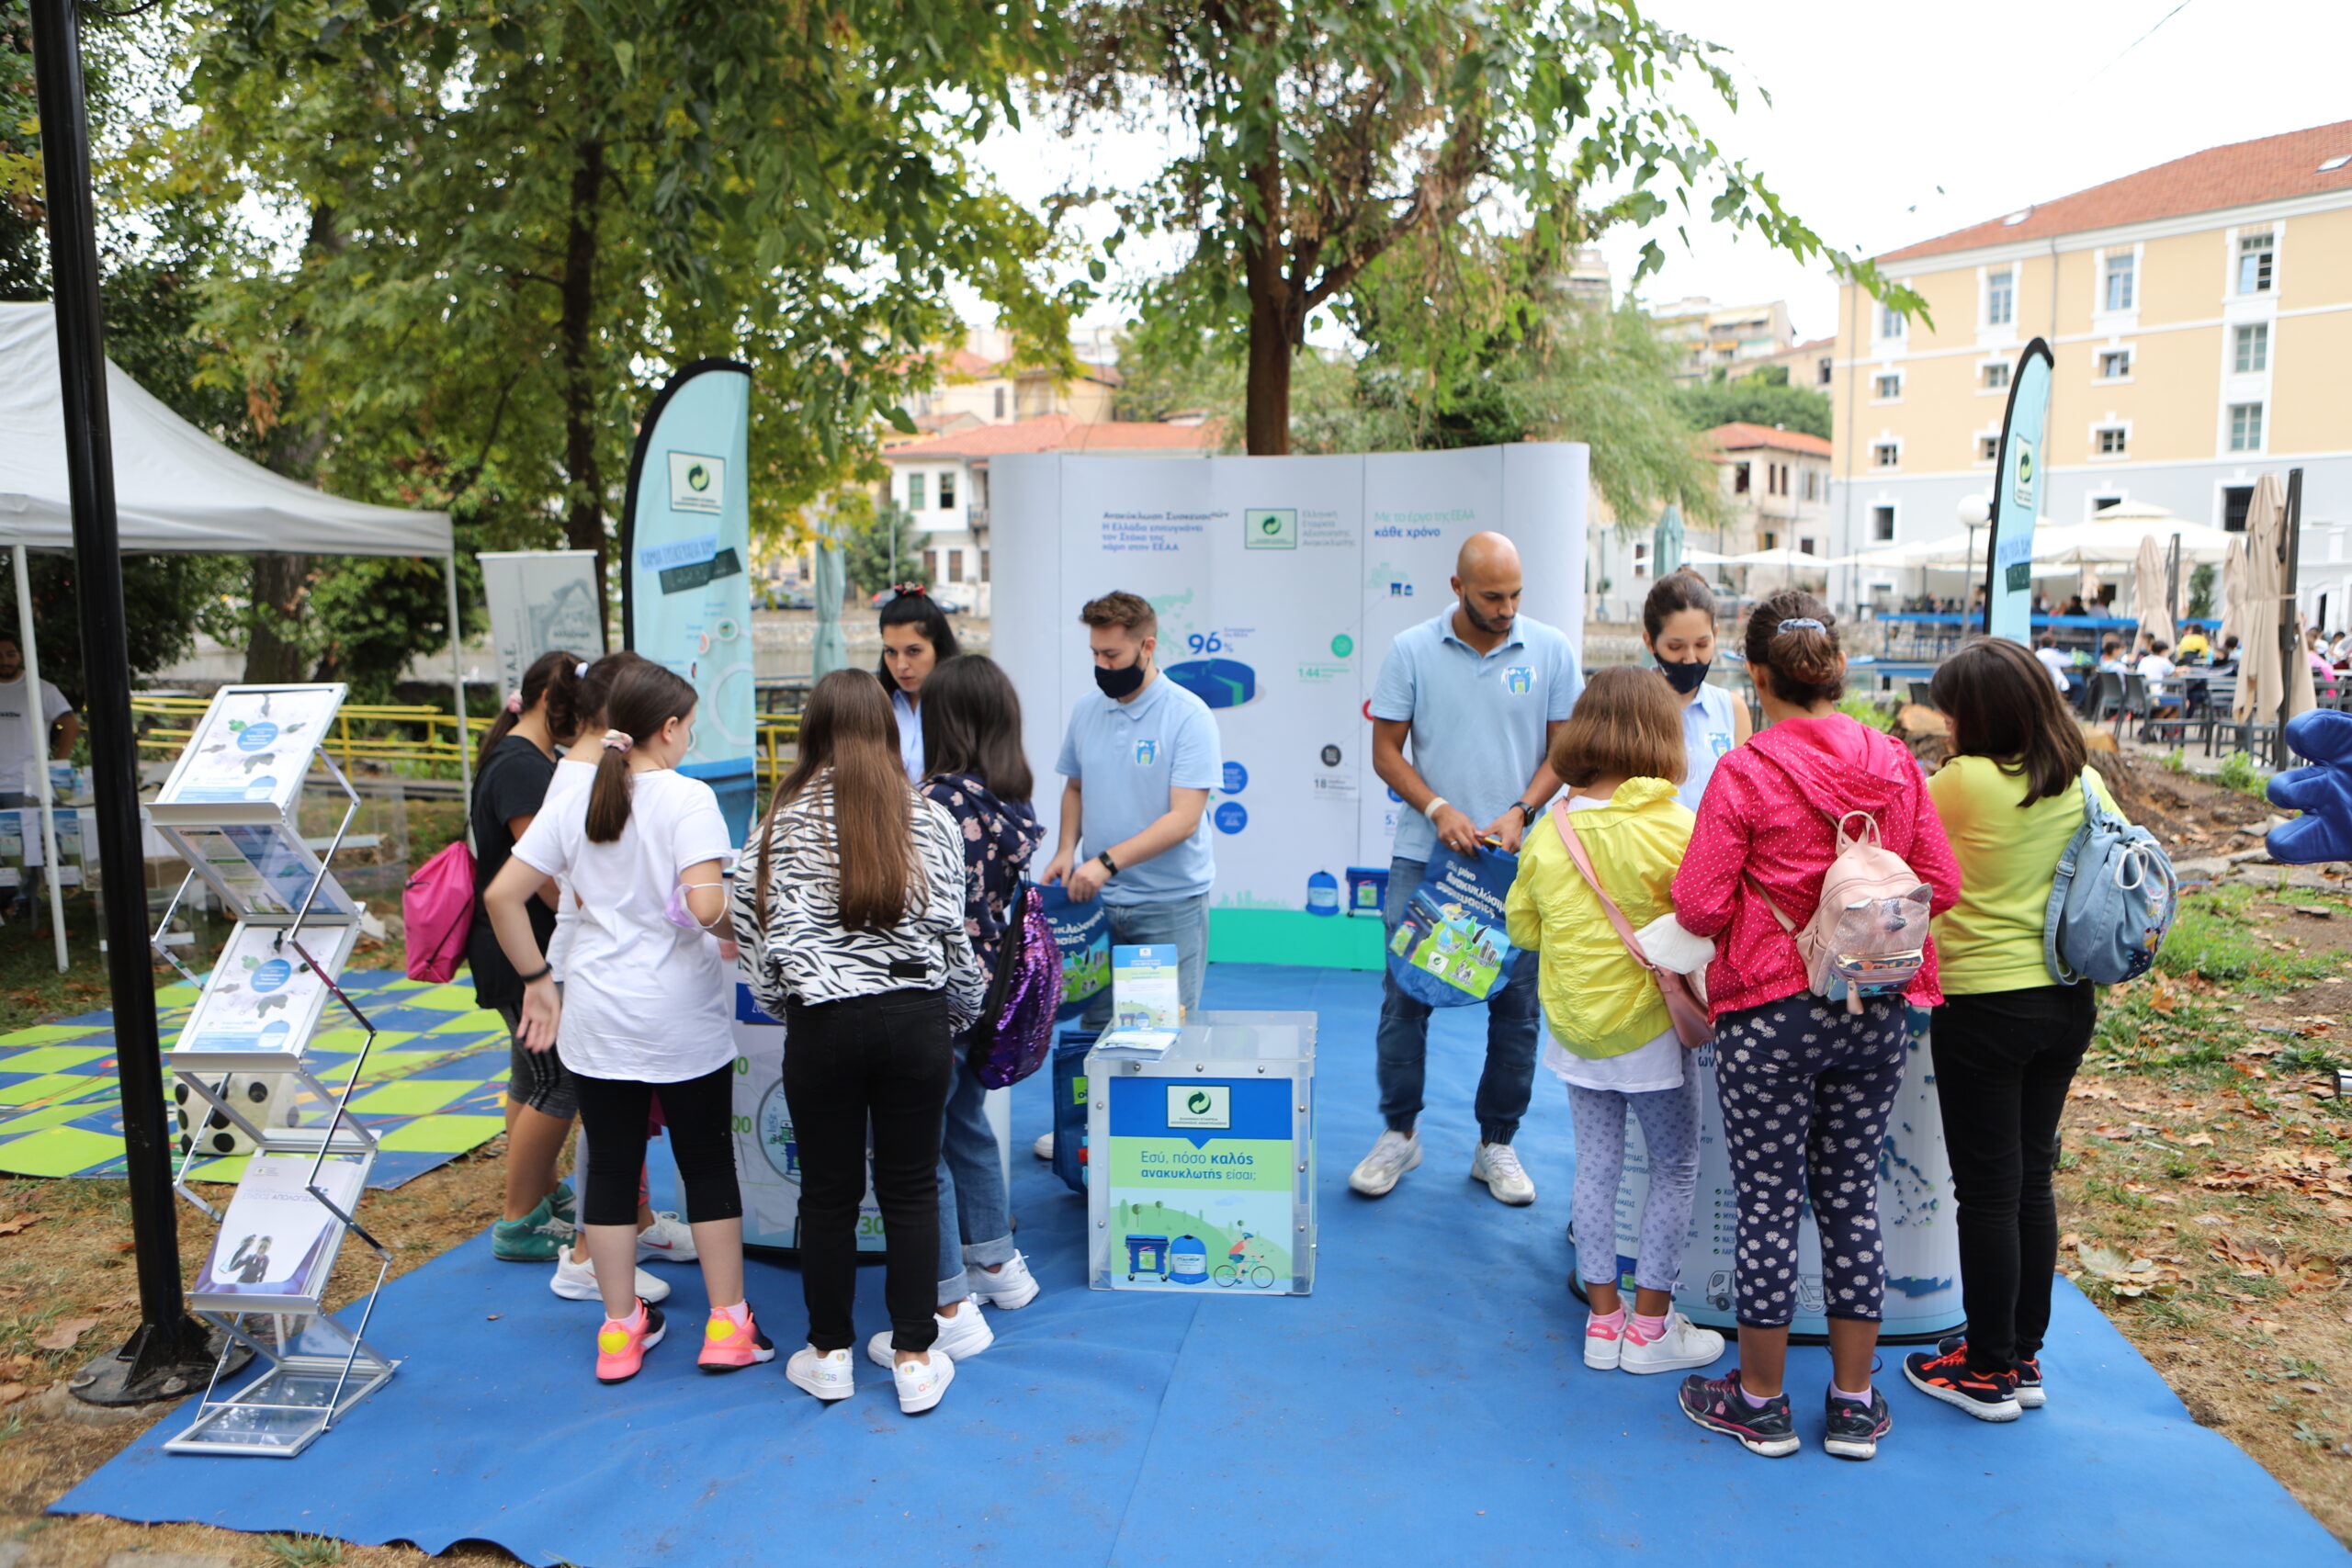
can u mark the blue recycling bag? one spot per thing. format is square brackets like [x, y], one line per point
[1452, 948]
[1082, 933]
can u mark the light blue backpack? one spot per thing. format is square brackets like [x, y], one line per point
[2111, 902]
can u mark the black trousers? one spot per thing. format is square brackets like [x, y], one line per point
[697, 1112]
[2004, 1060]
[884, 1062]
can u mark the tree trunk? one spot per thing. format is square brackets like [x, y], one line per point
[274, 653]
[1275, 323]
[583, 524]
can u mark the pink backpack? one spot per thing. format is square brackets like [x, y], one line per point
[1868, 936]
[438, 907]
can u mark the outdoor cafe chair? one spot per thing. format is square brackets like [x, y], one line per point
[2109, 700]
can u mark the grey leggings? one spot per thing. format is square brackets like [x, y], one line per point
[1669, 1119]
[1807, 1089]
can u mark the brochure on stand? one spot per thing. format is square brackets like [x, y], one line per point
[261, 998]
[277, 1238]
[261, 870]
[1146, 1012]
[252, 747]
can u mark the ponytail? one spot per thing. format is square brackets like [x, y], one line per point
[1793, 635]
[644, 697]
[554, 679]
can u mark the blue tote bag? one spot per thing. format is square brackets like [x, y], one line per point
[1082, 933]
[1452, 949]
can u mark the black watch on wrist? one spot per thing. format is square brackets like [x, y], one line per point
[1528, 813]
[1109, 866]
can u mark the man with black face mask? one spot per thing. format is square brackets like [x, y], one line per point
[1140, 759]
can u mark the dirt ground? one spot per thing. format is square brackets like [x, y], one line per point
[2205, 1193]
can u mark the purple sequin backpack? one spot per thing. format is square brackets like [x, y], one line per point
[1014, 1033]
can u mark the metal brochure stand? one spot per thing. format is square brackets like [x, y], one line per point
[230, 808]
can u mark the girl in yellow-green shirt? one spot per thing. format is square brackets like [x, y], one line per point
[2009, 1037]
[1611, 1040]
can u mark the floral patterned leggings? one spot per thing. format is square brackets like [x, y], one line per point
[1807, 1089]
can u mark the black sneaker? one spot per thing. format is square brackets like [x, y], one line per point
[1988, 1396]
[1855, 1428]
[2027, 1369]
[1718, 1404]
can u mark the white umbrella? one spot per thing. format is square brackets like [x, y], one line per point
[2116, 542]
[2148, 591]
[2262, 676]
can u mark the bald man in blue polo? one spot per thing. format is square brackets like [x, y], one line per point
[1475, 694]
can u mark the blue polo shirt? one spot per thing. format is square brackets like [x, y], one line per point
[1126, 757]
[1480, 721]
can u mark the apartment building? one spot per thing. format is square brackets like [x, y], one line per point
[1776, 496]
[1709, 337]
[2200, 317]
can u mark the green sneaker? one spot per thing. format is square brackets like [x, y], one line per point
[537, 1237]
[561, 1203]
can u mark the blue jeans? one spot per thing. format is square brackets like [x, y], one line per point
[1183, 923]
[1512, 1014]
[972, 1199]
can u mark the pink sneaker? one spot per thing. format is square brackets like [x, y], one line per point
[727, 1346]
[621, 1347]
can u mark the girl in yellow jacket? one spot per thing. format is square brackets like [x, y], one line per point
[1611, 1040]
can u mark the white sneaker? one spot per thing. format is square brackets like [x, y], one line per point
[828, 1375]
[1010, 1286]
[668, 1239]
[1603, 1346]
[922, 1382]
[1044, 1147]
[1498, 1165]
[1684, 1345]
[961, 1337]
[577, 1282]
[1394, 1154]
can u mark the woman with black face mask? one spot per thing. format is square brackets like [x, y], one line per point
[1678, 628]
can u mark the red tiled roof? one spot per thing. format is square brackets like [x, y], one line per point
[2270, 169]
[964, 362]
[1738, 436]
[1059, 432]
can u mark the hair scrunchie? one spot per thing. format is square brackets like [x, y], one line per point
[1803, 624]
[617, 742]
[580, 671]
[513, 702]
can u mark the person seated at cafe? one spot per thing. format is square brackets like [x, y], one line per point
[2226, 658]
[2156, 670]
[2193, 646]
[2075, 607]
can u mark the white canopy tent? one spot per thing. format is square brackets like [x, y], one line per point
[176, 489]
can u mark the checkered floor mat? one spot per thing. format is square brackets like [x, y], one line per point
[434, 1085]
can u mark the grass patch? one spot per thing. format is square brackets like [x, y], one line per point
[301, 1551]
[2214, 940]
[2238, 771]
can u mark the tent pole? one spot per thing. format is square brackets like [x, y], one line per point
[168, 1354]
[2290, 635]
[458, 673]
[34, 710]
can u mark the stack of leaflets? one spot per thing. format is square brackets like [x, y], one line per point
[277, 1240]
[1145, 1015]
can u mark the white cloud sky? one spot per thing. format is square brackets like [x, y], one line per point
[1999, 103]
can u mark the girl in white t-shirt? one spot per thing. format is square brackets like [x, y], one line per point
[646, 1008]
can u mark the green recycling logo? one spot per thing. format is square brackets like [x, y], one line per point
[698, 476]
[1199, 1104]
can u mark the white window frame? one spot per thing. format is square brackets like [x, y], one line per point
[918, 491]
[2238, 237]
[1879, 377]
[1889, 442]
[945, 487]
[2262, 427]
[1893, 522]
[2090, 502]
[1984, 275]
[2125, 317]
[1976, 446]
[2008, 372]
[2238, 330]
[2100, 429]
[2130, 352]
[1887, 326]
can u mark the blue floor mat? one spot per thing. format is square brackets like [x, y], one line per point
[1428, 1402]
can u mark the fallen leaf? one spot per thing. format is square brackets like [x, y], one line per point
[2198, 1141]
[10, 1227]
[62, 1335]
[12, 1391]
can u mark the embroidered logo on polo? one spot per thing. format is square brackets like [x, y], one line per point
[1146, 753]
[1722, 744]
[1519, 680]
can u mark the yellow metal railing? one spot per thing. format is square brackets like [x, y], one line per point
[392, 736]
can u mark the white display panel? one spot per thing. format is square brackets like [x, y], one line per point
[252, 748]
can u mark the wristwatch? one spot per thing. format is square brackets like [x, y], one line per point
[1528, 813]
[1109, 866]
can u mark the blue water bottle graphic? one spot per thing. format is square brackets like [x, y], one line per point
[1322, 894]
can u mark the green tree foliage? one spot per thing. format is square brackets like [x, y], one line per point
[1760, 397]
[873, 556]
[516, 218]
[1320, 137]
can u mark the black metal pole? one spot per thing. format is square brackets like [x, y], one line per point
[168, 1354]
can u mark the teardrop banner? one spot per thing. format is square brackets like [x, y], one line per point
[2016, 499]
[686, 580]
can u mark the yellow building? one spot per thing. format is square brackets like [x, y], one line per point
[2199, 314]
